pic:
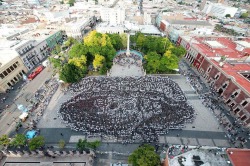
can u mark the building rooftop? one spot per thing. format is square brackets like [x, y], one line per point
[189, 22]
[6, 55]
[220, 46]
[235, 70]
[38, 34]
[239, 157]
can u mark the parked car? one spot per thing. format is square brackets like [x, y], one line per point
[33, 74]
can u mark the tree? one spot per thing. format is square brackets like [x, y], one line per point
[71, 2]
[244, 15]
[152, 62]
[227, 15]
[79, 62]
[98, 61]
[116, 41]
[70, 42]
[19, 140]
[81, 145]
[4, 140]
[56, 62]
[36, 142]
[144, 156]
[94, 145]
[124, 39]
[70, 73]
[140, 41]
[61, 144]
[179, 51]
[78, 50]
[168, 63]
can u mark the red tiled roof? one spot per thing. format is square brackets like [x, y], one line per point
[239, 157]
[229, 48]
[235, 70]
[29, 20]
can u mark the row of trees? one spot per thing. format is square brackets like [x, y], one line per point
[94, 54]
[20, 141]
[161, 56]
[97, 51]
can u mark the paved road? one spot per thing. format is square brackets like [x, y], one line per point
[10, 116]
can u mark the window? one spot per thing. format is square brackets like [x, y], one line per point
[1, 75]
[5, 73]
[224, 86]
[11, 68]
[14, 65]
[8, 70]
[244, 103]
[217, 76]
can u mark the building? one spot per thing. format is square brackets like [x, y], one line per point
[33, 52]
[175, 27]
[239, 157]
[114, 16]
[33, 2]
[77, 29]
[11, 69]
[106, 28]
[219, 10]
[225, 65]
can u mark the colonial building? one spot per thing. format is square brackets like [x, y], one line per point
[225, 65]
[11, 69]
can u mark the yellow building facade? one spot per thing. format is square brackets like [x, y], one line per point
[11, 70]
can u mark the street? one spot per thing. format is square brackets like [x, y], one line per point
[10, 115]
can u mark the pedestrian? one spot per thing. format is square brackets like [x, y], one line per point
[62, 134]
[8, 124]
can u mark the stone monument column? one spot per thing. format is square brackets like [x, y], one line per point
[128, 49]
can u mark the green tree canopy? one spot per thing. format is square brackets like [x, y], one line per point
[144, 156]
[152, 62]
[116, 41]
[244, 15]
[124, 40]
[4, 140]
[36, 142]
[61, 144]
[179, 51]
[98, 61]
[19, 140]
[71, 2]
[83, 144]
[70, 73]
[78, 50]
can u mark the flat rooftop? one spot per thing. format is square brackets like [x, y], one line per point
[219, 46]
[215, 44]
[6, 55]
[38, 34]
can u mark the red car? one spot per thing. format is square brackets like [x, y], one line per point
[35, 72]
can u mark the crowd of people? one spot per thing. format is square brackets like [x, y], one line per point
[124, 60]
[43, 95]
[126, 108]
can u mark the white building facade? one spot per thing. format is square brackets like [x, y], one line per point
[114, 16]
[219, 10]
